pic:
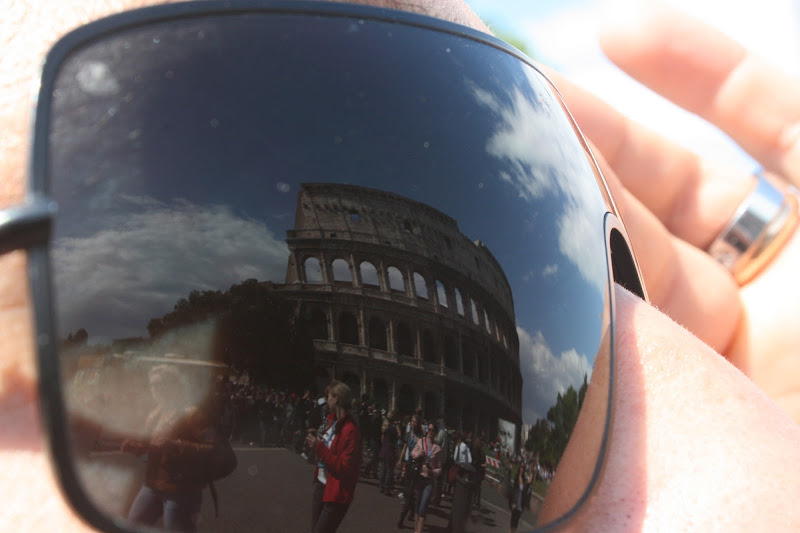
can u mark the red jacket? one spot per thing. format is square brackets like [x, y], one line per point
[342, 460]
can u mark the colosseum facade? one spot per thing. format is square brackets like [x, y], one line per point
[403, 307]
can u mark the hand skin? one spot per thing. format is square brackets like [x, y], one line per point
[674, 203]
[695, 445]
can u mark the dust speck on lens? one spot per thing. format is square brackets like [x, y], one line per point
[96, 78]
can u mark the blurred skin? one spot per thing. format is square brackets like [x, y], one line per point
[695, 443]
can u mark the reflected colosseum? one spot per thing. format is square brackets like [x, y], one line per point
[403, 307]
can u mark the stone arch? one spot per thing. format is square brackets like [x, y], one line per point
[430, 406]
[450, 352]
[348, 328]
[420, 286]
[396, 280]
[441, 293]
[405, 341]
[318, 324]
[483, 368]
[369, 274]
[405, 399]
[451, 409]
[313, 270]
[429, 346]
[380, 393]
[467, 360]
[341, 271]
[377, 333]
[459, 302]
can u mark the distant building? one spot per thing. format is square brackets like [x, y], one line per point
[403, 307]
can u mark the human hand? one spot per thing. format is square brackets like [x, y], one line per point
[674, 203]
[311, 439]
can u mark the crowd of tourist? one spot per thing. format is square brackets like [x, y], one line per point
[411, 458]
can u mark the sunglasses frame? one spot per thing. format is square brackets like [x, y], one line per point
[27, 226]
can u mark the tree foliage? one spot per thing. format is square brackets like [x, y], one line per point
[548, 437]
[257, 330]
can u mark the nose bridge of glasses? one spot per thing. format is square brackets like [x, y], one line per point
[26, 225]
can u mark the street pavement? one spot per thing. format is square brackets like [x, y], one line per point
[270, 491]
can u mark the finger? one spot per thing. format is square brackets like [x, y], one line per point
[692, 198]
[706, 72]
[683, 281]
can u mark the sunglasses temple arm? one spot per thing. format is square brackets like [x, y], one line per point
[26, 225]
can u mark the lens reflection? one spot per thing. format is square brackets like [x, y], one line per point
[256, 206]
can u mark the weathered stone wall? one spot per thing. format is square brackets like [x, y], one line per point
[404, 305]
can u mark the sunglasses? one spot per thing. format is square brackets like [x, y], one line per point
[242, 202]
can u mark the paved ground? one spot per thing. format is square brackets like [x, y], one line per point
[271, 490]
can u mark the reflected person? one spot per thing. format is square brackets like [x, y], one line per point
[175, 428]
[339, 453]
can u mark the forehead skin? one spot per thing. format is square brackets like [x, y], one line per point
[28, 28]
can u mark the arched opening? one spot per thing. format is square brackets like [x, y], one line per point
[459, 302]
[430, 407]
[369, 274]
[450, 412]
[341, 271]
[450, 352]
[348, 328]
[483, 368]
[396, 280]
[420, 287]
[467, 360]
[405, 342]
[380, 393]
[429, 347]
[318, 324]
[405, 399]
[377, 333]
[441, 293]
[313, 270]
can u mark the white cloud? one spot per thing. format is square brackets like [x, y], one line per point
[114, 280]
[550, 270]
[545, 375]
[566, 39]
[543, 159]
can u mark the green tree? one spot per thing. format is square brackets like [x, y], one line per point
[548, 437]
[257, 330]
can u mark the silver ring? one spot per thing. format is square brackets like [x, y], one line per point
[757, 230]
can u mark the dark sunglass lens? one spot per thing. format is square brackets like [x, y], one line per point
[252, 207]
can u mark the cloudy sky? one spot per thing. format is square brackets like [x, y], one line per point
[563, 35]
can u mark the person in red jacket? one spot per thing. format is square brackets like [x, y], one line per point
[339, 453]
